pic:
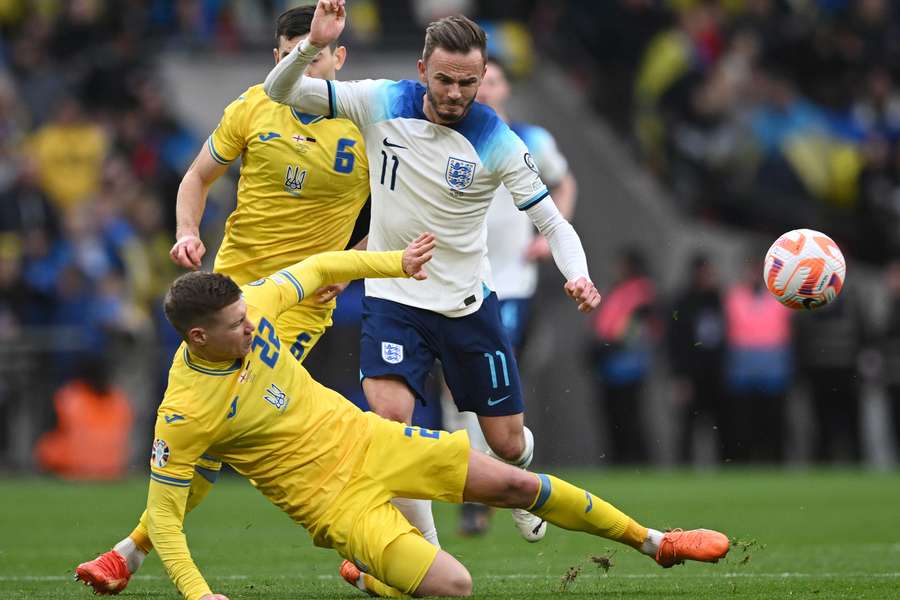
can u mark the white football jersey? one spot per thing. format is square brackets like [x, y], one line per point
[437, 178]
[509, 230]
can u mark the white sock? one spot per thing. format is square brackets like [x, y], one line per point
[524, 460]
[651, 544]
[418, 512]
[133, 555]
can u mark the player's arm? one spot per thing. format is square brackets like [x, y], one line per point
[188, 250]
[287, 287]
[511, 159]
[177, 449]
[287, 84]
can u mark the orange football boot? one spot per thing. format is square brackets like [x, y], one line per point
[704, 545]
[107, 574]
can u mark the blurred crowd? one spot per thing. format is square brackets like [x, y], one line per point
[772, 114]
[734, 359]
[766, 113]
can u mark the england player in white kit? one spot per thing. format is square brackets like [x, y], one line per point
[436, 159]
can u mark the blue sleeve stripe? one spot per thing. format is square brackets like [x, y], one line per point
[216, 156]
[331, 99]
[206, 456]
[170, 480]
[534, 199]
[295, 283]
[543, 494]
[208, 474]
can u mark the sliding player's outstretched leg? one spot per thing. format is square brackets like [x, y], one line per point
[570, 507]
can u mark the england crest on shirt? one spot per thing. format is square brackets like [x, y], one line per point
[392, 353]
[460, 173]
[159, 455]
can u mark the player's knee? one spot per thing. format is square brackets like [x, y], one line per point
[523, 488]
[459, 584]
[508, 449]
[393, 413]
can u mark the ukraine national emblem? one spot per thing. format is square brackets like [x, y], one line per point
[460, 173]
[392, 353]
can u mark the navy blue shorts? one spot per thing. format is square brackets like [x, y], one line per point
[478, 361]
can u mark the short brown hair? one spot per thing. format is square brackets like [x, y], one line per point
[455, 34]
[295, 22]
[195, 297]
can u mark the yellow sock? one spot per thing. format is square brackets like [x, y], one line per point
[140, 536]
[570, 507]
[377, 588]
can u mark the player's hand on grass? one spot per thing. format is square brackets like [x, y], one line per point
[584, 293]
[214, 597]
[417, 254]
[328, 22]
[188, 252]
[327, 293]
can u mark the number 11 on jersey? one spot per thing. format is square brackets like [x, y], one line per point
[384, 166]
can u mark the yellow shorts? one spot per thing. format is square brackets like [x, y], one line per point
[301, 327]
[403, 461]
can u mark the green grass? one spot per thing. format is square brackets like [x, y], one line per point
[815, 535]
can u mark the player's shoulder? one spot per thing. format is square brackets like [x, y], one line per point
[531, 134]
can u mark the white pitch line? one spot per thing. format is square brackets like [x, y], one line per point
[745, 575]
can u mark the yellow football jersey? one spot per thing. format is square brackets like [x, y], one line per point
[304, 179]
[297, 441]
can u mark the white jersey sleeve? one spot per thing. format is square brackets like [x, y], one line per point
[550, 162]
[507, 156]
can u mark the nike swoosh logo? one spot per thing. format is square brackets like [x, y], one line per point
[496, 402]
[268, 136]
[390, 145]
[173, 418]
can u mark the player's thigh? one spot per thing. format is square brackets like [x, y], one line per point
[495, 483]
[301, 327]
[412, 462]
[390, 397]
[385, 545]
[479, 363]
[395, 343]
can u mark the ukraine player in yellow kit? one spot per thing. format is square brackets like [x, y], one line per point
[234, 395]
[303, 181]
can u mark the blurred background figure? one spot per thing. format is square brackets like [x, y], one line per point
[94, 419]
[696, 345]
[829, 342]
[887, 343]
[625, 329]
[758, 371]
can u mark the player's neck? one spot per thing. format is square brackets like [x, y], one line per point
[204, 354]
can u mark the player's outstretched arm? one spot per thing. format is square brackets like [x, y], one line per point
[286, 84]
[568, 253]
[188, 250]
[334, 267]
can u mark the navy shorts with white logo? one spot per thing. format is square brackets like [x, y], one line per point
[478, 361]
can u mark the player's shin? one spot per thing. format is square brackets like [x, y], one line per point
[570, 507]
[418, 512]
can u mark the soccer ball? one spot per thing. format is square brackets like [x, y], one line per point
[804, 269]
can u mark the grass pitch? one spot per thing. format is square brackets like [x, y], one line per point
[828, 534]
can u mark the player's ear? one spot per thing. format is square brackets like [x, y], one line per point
[420, 65]
[340, 55]
[197, 336]
[276, 55]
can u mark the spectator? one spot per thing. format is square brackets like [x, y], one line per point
[888, 344]
[758, 371]
[69, 152]
[696, 343]
[94, 426]
[829, 341]
[624, 330]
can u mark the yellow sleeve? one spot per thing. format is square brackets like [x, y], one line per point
[229, 139]
[178, 447]
[284, 289]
